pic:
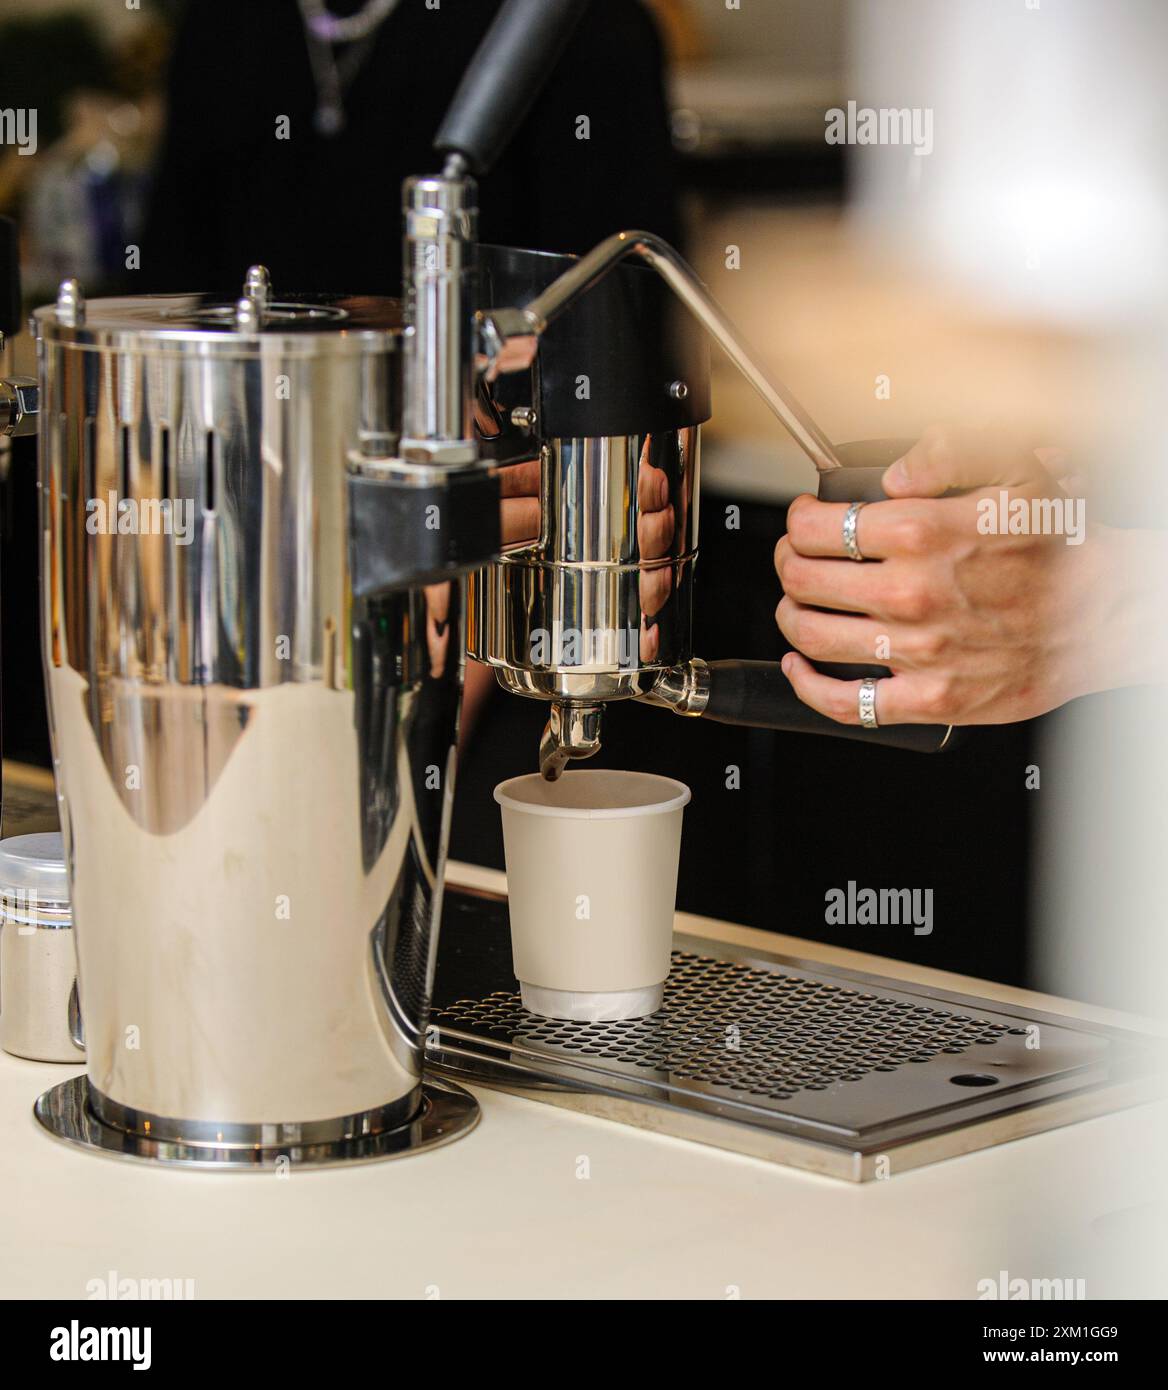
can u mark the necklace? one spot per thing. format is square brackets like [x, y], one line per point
[332, 75]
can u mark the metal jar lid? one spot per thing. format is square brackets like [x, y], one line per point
[257, 322]
[32, 871]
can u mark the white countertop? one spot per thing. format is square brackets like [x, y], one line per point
[503, 1214]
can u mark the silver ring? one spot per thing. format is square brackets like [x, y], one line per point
[868, 704]
[850, 546]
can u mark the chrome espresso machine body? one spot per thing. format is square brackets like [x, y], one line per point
[614, 386]
[253, 716]
[258, 518]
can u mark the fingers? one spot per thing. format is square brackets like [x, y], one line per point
[438, 601]
[437, 630]
[655, 586]
[883, 529]
[946, 458]
[519, 479]
[839, 700]
[655, 533]
[833, 636]
[519, 519]
[519, 509]
[895, 590]
[904, 699]
[652, 488]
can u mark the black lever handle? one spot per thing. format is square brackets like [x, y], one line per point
[757, 694]
[506, 74]
[10, 305]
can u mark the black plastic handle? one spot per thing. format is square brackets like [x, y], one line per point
[506, 74]
[758, 695]
[10, 305]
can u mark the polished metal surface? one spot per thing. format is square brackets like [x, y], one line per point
[613, 567]
[438, 273]
[511, 335]
[38, 981]
[600, 604]
[827, 1069]
[204, 325]
[446, 1112]
[38, 964]
[572, 731]
[220, 1134]
[684, 689]
[866, 697]
[851, 547]
[255, 767]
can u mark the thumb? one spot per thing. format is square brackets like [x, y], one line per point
[944, 459]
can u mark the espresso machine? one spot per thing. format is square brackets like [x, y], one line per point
[270, 534]
[599, 369]
[599, 606]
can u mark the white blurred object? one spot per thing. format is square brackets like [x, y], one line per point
[1044, 193]
[1046, 196]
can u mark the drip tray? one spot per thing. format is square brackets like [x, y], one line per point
[838, 1072]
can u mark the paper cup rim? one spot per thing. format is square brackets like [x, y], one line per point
[681, 796]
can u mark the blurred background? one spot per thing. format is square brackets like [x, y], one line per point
[889, 291]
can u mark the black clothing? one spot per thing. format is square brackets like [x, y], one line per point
[324, 213]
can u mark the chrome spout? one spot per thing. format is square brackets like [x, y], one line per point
[572, 731]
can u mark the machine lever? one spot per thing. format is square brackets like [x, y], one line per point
[757, 694]
[505, 76]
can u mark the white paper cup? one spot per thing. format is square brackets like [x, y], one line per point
[592, 879]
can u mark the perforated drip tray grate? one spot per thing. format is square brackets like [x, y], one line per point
[842, 1073]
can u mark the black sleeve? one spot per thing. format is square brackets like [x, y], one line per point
[225, 193]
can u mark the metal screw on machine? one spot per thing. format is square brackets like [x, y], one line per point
[70, 304]
[257, 284]
[251, 309]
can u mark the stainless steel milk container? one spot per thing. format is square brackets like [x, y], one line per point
[253, 719]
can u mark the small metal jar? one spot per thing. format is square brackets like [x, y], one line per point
[39, 1016]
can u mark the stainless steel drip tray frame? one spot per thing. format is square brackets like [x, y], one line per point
[836, 1071]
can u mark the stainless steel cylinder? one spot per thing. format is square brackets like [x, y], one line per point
[439, 276]
[38, 965]
[254, 768]
[602, 602]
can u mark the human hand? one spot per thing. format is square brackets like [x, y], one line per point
[519, 501]
[977, 627]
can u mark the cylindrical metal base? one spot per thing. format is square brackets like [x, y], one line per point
[446, 1113]
[213, 1134]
